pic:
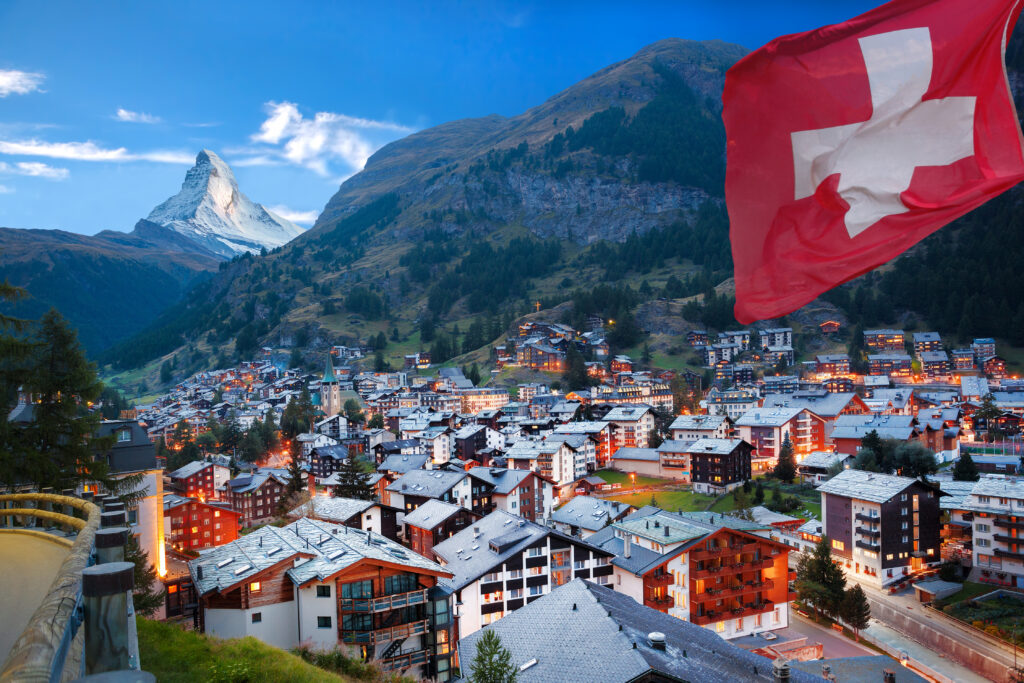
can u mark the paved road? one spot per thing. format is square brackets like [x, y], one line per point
[29, 565]
[835, 644]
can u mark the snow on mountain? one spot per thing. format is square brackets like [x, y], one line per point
[211, 210]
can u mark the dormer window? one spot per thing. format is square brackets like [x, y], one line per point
[124, 435]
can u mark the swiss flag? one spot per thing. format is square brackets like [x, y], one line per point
[849, 144]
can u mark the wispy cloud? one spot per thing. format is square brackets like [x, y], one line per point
[300, 217]
[202, 124]
[36, 169]
[135, 117]
[13, 82]
[321, 141]
[4, 189]
[89, 151]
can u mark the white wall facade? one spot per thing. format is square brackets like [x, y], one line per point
[309, 608]
[277, 625]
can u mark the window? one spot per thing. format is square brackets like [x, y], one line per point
[838, 545]
[124, 435]
[535, 571]
[257, 617]
[491, 618]
[984, 528]
[515, 593]
[982, 542]
[357, 622]
[536, 590]
[905, 525]
[400, 583]
[903, 497]
[604, 580]
[906, 539]
[719, 627]
[903, 511]
[579, 564]
[323, 622]
[492, 576]
[357, 589]
[323, 591]
[535, 552]
[515, 574]
[602, 561]
[493, 597]
[739, 624]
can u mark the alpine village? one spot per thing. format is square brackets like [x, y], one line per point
[491, 419]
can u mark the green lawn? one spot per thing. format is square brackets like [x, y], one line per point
[970, 591]
[616, 477]
[667, 500]
[1000, 616]
[173, 654]
[810, 499]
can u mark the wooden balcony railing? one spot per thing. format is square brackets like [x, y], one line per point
[385, 635]
[404, 660]
[661, 580]
[385, 603]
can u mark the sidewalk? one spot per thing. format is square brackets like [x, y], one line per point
[888, 639]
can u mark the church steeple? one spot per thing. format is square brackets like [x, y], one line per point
[329, 372]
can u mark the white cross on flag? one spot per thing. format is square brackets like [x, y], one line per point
[849, 144]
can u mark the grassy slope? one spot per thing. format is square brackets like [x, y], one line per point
[667, 500]
[173, 654]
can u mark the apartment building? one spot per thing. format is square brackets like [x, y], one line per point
[882, 528]
[766, 429]
[194, 524]
[631, 425]
[503, 562]
[255, 495]
[884, 340]
[710, 570]
[719, 465]
[997, 504]
[199, 479]
[695, 427]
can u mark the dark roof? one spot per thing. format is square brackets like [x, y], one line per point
[585, 632]
[128, 456]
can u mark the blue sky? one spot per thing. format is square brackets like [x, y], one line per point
[103, 105]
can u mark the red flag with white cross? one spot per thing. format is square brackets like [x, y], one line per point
[849, 144]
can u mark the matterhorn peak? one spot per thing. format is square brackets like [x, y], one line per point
[211, 210]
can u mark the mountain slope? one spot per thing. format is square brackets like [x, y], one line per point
[112, 284]
[488, 215]
[211, 211]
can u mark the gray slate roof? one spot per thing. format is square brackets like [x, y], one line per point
[431, 513]
[582, 632]
[189, 469]
[869, 486]
[588, 512]
[329, 547]
[698, 422]
[403, 463]
[637, 454]
[469, 555]
[504, 481]
[331, 509]
[427, 483]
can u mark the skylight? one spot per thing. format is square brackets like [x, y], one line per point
[224, 563]
[243, 569]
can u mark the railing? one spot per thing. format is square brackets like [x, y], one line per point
[661, 580]
[41, 651]
[385, 603]
[385, 635]
[868, 532]
[707, 573]
[1012, 540]
[861, 517]
[712, 594]
[404, 661]
[874, 547]
[661, 602]
[1004, 523]
[1006, 553]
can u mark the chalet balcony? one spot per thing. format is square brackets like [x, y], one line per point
[873, 547]
[969, 517]
[665, 579]
[747, 588]
[384, 604]
[707, 573]
[404, 660]
[659, 603]
[861, 517]
[868, 532]
[1004, 523]
[1006, 553]
[386, 635]
[706, 553]
[1010, 540]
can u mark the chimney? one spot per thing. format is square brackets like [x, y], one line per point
[889, 676]
[780, 670]
[199, 572]
[657, 639]
[625, 547]
[666, 531]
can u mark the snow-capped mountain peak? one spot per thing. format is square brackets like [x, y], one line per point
[211, 210]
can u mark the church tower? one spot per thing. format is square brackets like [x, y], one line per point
[330, 391]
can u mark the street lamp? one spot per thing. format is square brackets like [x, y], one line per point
[632, 479]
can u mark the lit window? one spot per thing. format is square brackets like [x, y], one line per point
[255, 587]
[719, 626]
[838, 545]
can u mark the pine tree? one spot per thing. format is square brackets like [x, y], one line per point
[820, 582]
[492, 663]
[353, 482]
[855, 610]
[144, 597]
[759, 494]
[785, 469]
[965, 469]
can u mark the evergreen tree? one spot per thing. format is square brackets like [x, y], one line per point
[785, 469]
[251, 447]
[854, 609]
[271, 439]
[759, 494]
[353, 482]
[376, 422]
[985, 414]
[474, 374]
[295, 359]
[575, 376]
[492, 662]
[654, 439]
[819, 581]
[146, 599]
[913, 459]
[965, 469]
[58, 446]
[231, 432]
[354, 411]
